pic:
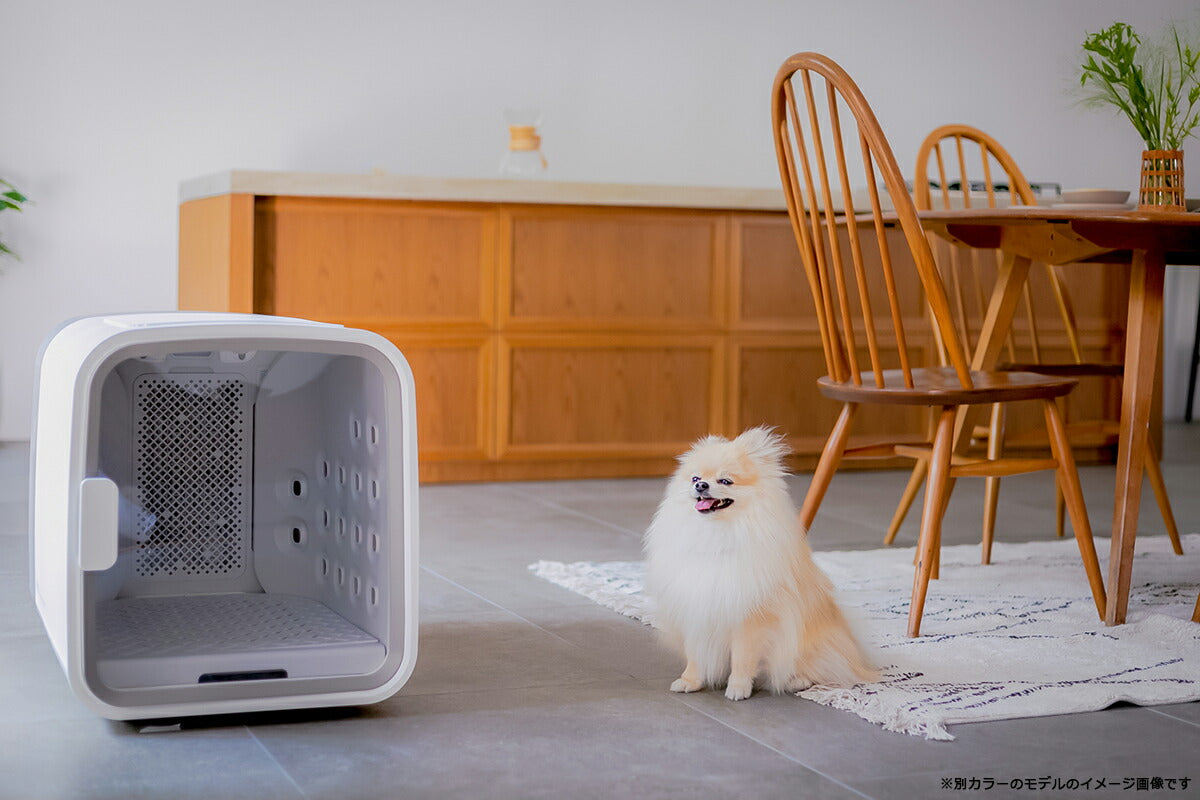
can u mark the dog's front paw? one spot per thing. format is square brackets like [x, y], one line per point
[686, 685]
[739, 688]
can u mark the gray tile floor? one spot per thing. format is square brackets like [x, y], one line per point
[524, 690]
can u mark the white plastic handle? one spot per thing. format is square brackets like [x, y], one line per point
[97, 524]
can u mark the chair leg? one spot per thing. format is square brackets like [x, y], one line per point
[991, 484]
[931, 518]
[1068, 479]
[831, 458]
[915, 479]
[937, 547]
[936, 571]
[1196, 612]
[1154, 473]
[1060, 505]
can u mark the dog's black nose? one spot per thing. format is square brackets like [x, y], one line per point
[700, 486]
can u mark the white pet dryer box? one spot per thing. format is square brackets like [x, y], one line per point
[224, 513]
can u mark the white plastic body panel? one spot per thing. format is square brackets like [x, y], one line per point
[73, 513]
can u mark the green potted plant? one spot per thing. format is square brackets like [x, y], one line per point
[10, 200]
[1157, 88]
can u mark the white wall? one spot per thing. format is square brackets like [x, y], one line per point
[106, 107]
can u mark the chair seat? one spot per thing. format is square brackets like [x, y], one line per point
[1099, 369]
[939, 386]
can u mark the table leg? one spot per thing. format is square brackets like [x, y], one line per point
[1195, 362]
[1006, 294]
[1142, 329]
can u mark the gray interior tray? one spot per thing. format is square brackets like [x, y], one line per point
[177, 640]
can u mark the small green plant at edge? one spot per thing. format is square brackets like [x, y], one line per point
[1157, 88]
[10, 199]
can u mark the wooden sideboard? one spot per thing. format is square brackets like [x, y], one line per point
[555, 330]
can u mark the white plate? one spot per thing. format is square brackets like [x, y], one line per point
[1105, 196]
[1082, 206]
[1094, 206]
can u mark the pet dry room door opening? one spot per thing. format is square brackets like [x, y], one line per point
[224, 513]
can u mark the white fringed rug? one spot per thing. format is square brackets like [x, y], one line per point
[1017, 638]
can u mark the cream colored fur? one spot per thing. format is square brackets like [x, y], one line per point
[736, 588]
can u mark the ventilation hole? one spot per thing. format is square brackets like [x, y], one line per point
[297, 535]
[324, 469]
[374, 435]
[325, 518]
[297, 487]
[341, 576]
[324, 567]
[358, 534]
[375, 543]
[341, 475]
[374, 596]
[341, 526]
[374, 490]
[358, 481]
[357, 586]
[356, 429]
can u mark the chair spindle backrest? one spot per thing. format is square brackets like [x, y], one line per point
[959, 166]
[819, 115]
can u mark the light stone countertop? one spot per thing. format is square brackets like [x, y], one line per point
[386, 186]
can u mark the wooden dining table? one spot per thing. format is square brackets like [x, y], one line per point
[1146, 241]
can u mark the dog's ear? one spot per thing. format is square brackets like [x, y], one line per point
[764, 444]
[703, 441]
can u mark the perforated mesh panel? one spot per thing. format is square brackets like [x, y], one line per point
[191, 476]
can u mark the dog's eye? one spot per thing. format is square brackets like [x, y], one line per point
[695, 478]
[725, 482]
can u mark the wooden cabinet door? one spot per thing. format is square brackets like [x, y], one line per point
[376, 263]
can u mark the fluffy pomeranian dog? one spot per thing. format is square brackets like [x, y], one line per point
[731, 570]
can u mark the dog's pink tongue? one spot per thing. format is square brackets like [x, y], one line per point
[705, 503]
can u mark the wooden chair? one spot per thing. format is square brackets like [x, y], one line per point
[823, 128]
[950, 160]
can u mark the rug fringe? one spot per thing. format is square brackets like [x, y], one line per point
[871, 708]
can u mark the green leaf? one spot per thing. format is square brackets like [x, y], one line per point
[1148, 85]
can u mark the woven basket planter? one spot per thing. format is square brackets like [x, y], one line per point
[1161, 186]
